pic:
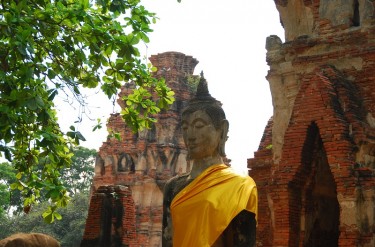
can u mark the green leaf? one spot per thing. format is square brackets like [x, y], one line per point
[51, 74]
[48, 216]
[109, 72]
[118, 136]
[57, 215]
[71, 134]
[80, 136]
[53, 93]
[98, 125]
[14, 186]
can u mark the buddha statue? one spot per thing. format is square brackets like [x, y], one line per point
[212, 205]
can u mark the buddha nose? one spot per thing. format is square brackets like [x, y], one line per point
[191, 134]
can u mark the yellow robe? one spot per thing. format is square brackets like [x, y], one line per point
[203, 209]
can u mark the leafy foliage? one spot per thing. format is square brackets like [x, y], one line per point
[68, 231]
[77, 179]
[8, 198]
[57, 47]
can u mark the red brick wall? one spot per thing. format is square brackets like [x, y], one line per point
[120, 199]
[333, 71]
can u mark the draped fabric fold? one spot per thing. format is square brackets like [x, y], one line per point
[203, 209]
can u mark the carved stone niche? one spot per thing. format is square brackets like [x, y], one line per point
[125, 163]
[99, 166]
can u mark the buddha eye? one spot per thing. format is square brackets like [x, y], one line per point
[199, 124]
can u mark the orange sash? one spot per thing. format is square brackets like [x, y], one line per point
[203, 209]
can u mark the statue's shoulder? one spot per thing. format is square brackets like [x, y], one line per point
[177, 179]
[176, 184]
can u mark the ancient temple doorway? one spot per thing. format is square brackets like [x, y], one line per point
[314, 198]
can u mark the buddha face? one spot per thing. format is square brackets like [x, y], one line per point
[200, 135]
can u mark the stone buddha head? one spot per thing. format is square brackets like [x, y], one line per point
[204, 125]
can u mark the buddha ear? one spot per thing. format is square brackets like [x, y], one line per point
[224, 127]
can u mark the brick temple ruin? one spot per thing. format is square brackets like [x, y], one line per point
[315, 164]
[126, 204]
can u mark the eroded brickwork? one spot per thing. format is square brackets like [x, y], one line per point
[111, 219]
[315, 165]
[140, 164]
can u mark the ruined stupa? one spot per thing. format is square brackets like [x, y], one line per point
[315, 164]
[130, 173]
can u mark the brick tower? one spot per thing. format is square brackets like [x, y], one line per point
[126, 204]
[315, 164]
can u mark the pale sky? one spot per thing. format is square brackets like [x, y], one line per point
[228, 39]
